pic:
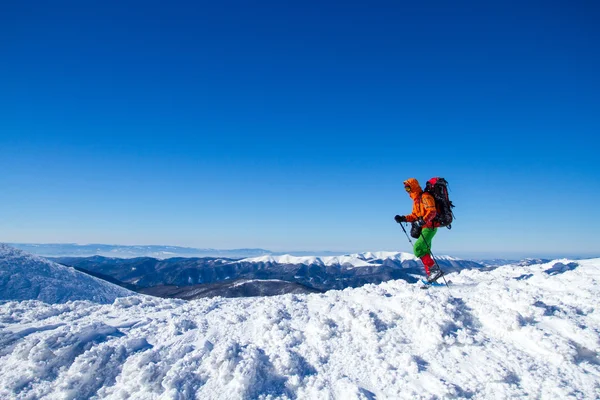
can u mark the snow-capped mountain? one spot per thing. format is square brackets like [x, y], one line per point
[352, 260]
[27, 277]
[368, 259]
[509, 332]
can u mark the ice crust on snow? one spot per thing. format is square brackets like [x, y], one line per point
[28, 277]
[510, 332]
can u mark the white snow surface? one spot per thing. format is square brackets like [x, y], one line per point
[512, 332]
[350, 260]
[27, 277]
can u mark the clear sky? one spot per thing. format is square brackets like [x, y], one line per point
[291, 125]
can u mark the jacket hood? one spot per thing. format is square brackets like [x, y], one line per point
[415, 188]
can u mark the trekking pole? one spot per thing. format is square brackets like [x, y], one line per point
[408, 237]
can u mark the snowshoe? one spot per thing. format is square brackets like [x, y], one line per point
[434, 276]
[427, 284]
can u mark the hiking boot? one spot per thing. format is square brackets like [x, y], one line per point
[434, 275]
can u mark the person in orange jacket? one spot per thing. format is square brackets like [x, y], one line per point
[424, 228]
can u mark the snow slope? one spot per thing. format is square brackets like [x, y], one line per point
[27, 277]
[512, 332]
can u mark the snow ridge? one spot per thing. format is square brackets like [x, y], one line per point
[367, 259]
[28, 277]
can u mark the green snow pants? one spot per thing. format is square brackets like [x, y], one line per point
[423, 243]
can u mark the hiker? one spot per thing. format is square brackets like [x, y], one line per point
[424, 227]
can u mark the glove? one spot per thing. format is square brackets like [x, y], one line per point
[420, 222]
[400, 218]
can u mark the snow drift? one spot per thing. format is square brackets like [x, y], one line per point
[510, 332]
[27, 277]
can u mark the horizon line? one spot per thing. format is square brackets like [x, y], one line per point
[476, 254]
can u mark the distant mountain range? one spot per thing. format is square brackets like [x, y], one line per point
[190, 273]
[210, 276]
[497, 262]
[154, 251]
[195, 277]
[165, 251]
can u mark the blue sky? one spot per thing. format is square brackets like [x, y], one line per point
[291, 126]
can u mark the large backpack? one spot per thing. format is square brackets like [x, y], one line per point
[438, 188]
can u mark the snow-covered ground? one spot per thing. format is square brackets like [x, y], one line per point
[513, 332]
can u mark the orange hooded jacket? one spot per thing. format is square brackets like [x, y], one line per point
[423, 204]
